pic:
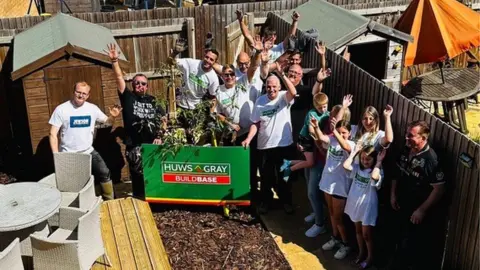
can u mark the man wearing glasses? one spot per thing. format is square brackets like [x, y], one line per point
[142, 119]
[76, 120]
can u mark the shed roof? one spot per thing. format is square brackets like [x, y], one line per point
[52, 38]
[337, 26]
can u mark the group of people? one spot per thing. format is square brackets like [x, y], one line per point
[342, 162]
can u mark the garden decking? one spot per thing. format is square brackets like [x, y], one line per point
[130, 236]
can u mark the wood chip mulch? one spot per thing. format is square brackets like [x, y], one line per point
[208, 240]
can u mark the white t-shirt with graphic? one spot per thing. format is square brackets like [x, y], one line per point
[362, 200]
[77, 125]
[195, 83]
[237, 103]
[276, 51]
[275, 121]
[374, 140]
[334, 177]
[256, 82]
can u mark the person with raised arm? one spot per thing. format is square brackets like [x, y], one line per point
[271, 120]
[143, 119]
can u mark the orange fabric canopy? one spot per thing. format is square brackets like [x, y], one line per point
[440, 28]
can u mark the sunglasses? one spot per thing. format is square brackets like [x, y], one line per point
[229, 74]
[142, 83]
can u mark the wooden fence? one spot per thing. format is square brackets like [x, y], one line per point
[207, 19]
[462, 242]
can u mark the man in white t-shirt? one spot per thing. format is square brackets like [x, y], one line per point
[271, 120]
[199, 78]
[75, 120]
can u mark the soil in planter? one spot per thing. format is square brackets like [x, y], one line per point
[208, 240]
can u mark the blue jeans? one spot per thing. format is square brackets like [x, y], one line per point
[314, 193]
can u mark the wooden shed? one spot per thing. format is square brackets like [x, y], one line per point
[51, 56]
[374, 47]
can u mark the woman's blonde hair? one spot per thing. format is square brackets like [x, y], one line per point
[361, 129]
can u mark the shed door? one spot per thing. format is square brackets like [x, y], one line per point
[60, 82]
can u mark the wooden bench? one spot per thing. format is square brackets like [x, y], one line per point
[130, 236]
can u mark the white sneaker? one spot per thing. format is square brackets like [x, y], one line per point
[331, 244]
[315, 230]
[310, 218]
[342, 252]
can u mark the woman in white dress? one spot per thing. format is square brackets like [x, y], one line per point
[362, 200]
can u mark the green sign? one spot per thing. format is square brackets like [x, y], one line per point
[197, 175]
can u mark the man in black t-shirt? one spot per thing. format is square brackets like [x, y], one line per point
[416, 194]
[142, 118]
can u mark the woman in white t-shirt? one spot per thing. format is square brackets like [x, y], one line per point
[368, 129]
[362, 200]
[334, 182]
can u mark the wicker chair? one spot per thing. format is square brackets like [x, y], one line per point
[73, 178]
[76, 244]
[10, 257]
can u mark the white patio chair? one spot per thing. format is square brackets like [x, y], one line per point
[73, 178]
[10, 257]
[76, 244]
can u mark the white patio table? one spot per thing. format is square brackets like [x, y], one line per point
[24, 209]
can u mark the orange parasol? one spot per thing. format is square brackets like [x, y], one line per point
[441, 29]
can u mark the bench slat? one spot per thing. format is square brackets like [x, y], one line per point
[124, 248]
[152, 237]
[142, 258]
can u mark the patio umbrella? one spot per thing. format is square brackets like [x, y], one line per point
[441, 29]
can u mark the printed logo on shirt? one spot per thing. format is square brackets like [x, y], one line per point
[198, 80]
[335, 154]
[226, 101]
[241, 87]
[362, 181]
[418, 163]
[143, 110]
[80, 121]
[269, 113]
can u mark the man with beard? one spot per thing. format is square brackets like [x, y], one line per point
[271, 119]
[199, 77]
[416, 194]
[142, 119]
[75, 119]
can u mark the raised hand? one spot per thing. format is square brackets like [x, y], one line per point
[323, 74]
[180, 45]
[115, 110]
[258, 44]
[388, 111]
[112, 52]
[239, 15]
[295, 16]
[347, 101]
[320, 48]
[265, 56]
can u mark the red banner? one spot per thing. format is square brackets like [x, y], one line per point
[196, 179]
